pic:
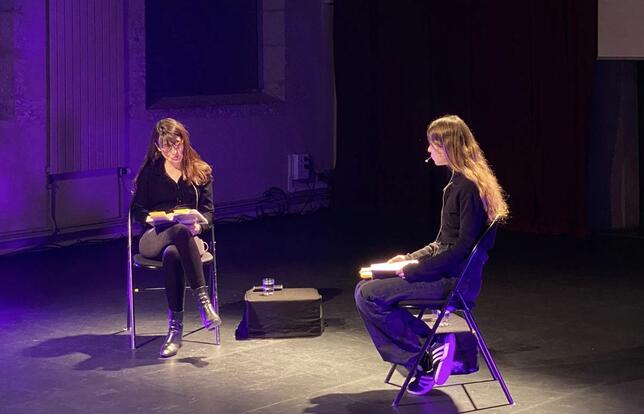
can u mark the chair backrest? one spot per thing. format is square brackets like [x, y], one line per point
[478, 255]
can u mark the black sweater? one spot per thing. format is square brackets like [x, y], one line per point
[156, 191]
[463, 221]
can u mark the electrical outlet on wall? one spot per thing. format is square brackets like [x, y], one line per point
[299, 170]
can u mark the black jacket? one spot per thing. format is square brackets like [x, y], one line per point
[463, 221]
[156, 191]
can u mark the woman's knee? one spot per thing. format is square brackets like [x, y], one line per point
[363, 293]
[180, 232]
[171, 254]
[370, 289]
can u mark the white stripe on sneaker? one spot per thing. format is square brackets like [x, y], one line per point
[443, 358]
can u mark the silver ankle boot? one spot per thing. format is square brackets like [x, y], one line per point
[172, 342]
[209, 317]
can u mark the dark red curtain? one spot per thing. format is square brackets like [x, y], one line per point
[520, 74]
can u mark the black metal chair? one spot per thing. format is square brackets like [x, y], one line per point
[209, 260]
[455, 302]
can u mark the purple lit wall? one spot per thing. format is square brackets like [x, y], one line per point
[23, 115]
[61, 109]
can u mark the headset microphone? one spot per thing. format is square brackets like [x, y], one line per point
[427, 160]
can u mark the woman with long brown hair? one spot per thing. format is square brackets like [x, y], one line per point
[173, 175]
[472, 199]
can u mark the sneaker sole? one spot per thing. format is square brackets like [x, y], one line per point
[425, 389]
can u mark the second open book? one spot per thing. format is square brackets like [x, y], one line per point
[180, 215]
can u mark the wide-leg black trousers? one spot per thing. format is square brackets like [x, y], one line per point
[395, 332]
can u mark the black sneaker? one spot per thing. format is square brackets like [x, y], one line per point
[422, 384]
[443, 359]
[425, 364]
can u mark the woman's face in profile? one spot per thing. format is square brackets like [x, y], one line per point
[172, 152]
[437, 154]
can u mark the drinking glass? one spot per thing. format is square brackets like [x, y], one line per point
[268, 286]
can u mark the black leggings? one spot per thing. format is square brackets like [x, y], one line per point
[176, 248]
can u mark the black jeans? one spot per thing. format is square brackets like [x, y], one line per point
[395, 332]
[175, 247]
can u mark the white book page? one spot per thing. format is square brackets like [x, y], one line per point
[188, 217]
[391, 267]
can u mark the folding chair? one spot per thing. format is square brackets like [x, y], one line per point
[455, 302]
[208, 259]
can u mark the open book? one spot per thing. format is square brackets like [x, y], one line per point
[384, 270]
[180, 215]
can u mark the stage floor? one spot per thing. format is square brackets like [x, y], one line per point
[562, 317]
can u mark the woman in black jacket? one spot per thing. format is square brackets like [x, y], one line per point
[174, 176]
[471, 200]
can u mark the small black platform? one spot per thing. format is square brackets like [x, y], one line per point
[287, 313]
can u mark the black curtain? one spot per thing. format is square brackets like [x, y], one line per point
[519, 73]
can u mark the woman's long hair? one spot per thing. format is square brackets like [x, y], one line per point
[465, 156]
[169, 131]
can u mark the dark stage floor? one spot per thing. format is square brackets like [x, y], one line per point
[562, 317]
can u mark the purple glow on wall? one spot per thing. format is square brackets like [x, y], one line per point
[23, 93]
[66, 124]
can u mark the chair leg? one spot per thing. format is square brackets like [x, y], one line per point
[132, 339]
[391, 372]
[131, 320]
[131, 324]
[412, 372]
[481, 344]
[213, 293]
[494, 370]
